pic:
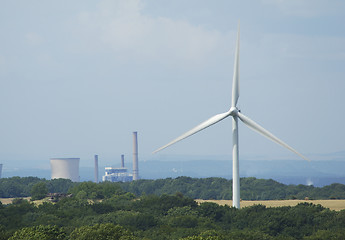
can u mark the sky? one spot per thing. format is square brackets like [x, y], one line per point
[78, 77]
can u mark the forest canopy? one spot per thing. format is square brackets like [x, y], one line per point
[196, 188]
[116, 214]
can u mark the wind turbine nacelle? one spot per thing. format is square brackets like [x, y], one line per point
[233, 111]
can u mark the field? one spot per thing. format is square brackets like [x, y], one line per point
[9, 200]
[336, 205]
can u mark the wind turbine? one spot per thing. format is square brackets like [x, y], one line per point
[236, 114]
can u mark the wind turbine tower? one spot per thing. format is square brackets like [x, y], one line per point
[236, 114]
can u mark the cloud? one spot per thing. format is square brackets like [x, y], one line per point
[305, 47]
[305, 8]
[122, 27]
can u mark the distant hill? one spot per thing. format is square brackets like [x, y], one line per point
[220, 188]
[196, 188]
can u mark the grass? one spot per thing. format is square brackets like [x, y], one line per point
[332, 204]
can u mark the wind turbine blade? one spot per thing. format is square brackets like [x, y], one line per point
[198, 128]
[253, 125]
[236, 77]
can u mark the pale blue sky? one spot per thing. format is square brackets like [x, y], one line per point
[78, 77]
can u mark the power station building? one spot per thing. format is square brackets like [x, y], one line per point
[67, 168]
[121, 174]
[117, 175]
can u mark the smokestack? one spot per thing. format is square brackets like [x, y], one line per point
[96, 168]
[122, 161]
[135, 157]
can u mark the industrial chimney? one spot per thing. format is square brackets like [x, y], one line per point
[122, 161]
[135, 157]
[96, 168]
[0, 170]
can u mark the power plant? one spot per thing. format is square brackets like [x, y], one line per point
[67, 168]
[121, 174]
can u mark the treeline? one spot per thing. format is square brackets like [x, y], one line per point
[196, 188]
[220, 188]
[105, 211]
[15, 187]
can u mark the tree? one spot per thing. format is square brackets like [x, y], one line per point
[97, 191]
[207, 235]
[40, 232]
[39, 191]
[59, 185]
[106, 231]
[327, 234]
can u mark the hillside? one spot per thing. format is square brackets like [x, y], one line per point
[105, 211]
[220, 188]
[196, 188]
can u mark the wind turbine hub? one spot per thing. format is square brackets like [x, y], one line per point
[233, 111]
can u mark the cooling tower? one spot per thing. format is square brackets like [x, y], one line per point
[0, 170]
[135, 157]
[65, 168]
[96, 168]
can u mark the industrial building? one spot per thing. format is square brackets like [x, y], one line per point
[67, 168]
[117, 175]
[121, 174]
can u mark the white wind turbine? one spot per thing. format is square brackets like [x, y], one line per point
[236, 114]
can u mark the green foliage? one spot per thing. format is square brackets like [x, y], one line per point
[248, 235]
[219, 188]
[95, 191]
[16, 186]
[212, 211]
[12, 215]
[136, 220]
[39, 191]
[39, 233]
[105, 231]
[162, 204]
[166, 217]
[183, 221]
[59, 185]
[116, 214]
[22, 187]
[4, 235]
[203, 188]
[326, 235]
